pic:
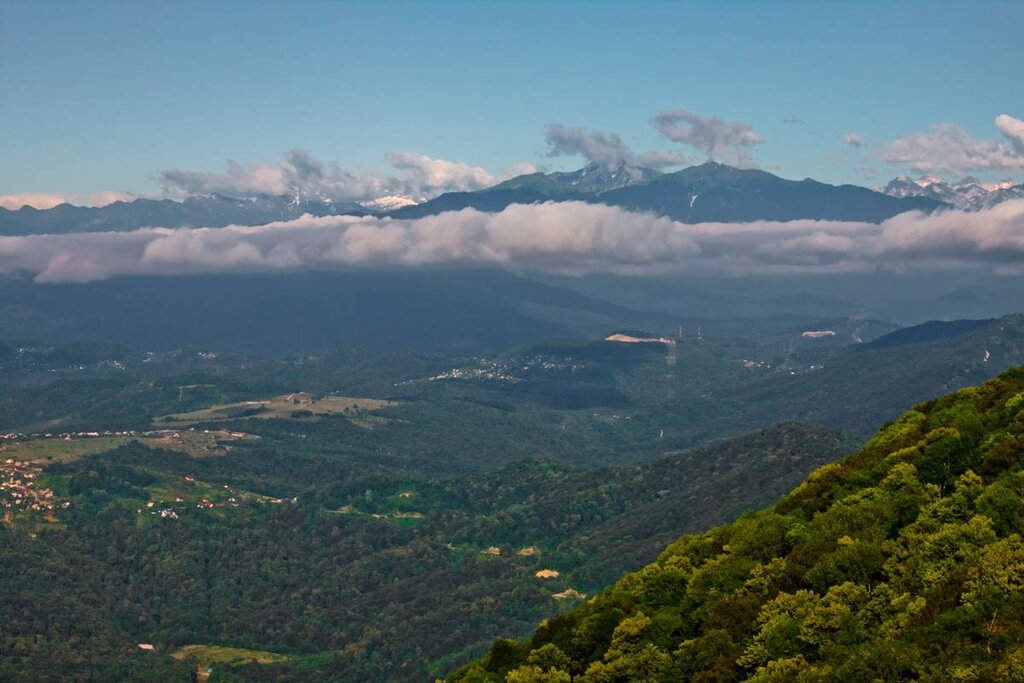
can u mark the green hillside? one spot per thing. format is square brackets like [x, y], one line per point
[902, 562]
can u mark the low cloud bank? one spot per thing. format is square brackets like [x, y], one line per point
[299, 172]
[561, 237]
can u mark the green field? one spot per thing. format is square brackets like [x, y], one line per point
[214, 654]
[60, 449]
[297, 406]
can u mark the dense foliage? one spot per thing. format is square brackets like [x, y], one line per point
[349, 581]
[902, 562]
[406, 538]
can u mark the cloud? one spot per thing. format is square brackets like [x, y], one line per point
[664, 158]
[726, 142]
[437, 174]
[561, 237]
[854, 140]
[48, 201]
[606, 149]
[567, 236]
[948, 148]
[299, 172]
[38, 201]
[1013, 130]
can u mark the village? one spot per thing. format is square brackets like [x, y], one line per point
[19, 491]
[512, 370]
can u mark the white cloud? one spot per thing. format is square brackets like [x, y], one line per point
[557, 236]
[564, 237]
[718, 139]
[421, 177]
[1013, 130]
[38, 201]
[606, 149]
[664, 158]
[430, 175]
[854, 140]
[48, 201]
[948, 148]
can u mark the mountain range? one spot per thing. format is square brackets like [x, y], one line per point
[214, 210]
[968, 193]
[711, 192]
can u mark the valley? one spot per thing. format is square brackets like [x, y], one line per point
[203, 485]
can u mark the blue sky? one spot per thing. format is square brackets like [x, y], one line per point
[107, 95]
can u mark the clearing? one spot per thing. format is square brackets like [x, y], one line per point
[298, 406]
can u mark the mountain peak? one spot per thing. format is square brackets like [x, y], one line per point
[596, 178]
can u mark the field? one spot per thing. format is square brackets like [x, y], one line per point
[65, 449]
[297, 406]
[208, 655]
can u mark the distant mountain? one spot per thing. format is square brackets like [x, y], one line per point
[933, 330]
[591, 179]
[215, 210]
[716, 192]
[711, 192]
[969, 193]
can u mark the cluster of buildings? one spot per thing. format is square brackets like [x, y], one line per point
[513, 370]
[18, 489]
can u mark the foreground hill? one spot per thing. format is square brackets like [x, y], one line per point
[902, 562]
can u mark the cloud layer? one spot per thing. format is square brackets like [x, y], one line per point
[948, 148]
[563, 237]
[300, 173]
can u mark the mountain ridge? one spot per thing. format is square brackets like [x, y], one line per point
[968, 193]
[710, 192]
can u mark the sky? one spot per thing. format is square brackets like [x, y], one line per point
[155, 98]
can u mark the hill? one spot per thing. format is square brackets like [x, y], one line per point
[901, 562]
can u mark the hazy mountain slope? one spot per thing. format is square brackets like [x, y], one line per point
[199, 211]
[926, 332]
[902, 562]
[423, 310]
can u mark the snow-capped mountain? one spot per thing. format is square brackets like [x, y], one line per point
[968, 193]
[388, 203]
[601, 178]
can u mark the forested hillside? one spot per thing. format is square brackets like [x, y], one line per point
[387, 578]
[902, 562]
